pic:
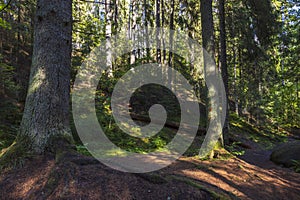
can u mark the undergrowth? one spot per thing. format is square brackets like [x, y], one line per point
[266, 134]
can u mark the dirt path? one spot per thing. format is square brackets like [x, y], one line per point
[251, 176]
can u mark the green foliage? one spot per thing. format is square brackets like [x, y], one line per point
[123, 140]
[265, 135]
[4, 24]
[296, 165]
[16, 154]
[82, 150]
[8, 86]
[263, 61]
[262, 51]
[235, 149]
[16, 40]
[10, 112]
[141, 100]
[7, 136]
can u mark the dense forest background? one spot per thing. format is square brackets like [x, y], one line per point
[254, 43]
[262, 40]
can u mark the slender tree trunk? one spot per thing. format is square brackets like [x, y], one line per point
[133, 27]
[46, 113]
[146, 30]
[236, 99]
[108, 32]
[170, 59]
[17, 56]
[116, 13]
[223, 60]
[129, 20]
[163, 25]
[129, 27]
[158, 51]
[241, 78]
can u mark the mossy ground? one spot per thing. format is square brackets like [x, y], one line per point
[16, 154]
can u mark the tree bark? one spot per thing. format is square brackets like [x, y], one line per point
[223, 60]
[164, 53]
[207, 27]
[133, 26]
[236, 99]
[46, 113]
[146, 30]
[212, 104]
[170, 59]
[158, 41]
[108, 33]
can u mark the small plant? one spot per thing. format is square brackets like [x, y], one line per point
[82, 150]
[296, 165]
[235, 149]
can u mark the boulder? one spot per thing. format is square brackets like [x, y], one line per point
[295, 131]
[285, 154]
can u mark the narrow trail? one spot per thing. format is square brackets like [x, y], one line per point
[250, 176]
[260, 156]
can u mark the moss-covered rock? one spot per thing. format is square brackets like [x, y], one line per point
[286, 153]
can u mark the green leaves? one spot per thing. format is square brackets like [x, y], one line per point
[4, 24]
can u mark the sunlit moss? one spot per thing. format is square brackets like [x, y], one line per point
[37, 80]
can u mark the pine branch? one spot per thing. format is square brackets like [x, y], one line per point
[6, 6]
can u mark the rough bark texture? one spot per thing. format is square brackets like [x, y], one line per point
[170, 59]
[207, 27]
[146, 29]
[158, 41]
[108, 33]
[223, 59]
[209, 45]
[46, 111]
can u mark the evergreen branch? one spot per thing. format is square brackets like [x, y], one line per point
[8, 3]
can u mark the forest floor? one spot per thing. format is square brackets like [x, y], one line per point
[73, 176]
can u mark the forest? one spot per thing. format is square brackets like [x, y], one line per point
[150, 99]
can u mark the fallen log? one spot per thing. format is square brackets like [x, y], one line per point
[169, 124]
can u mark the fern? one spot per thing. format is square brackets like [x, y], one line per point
[296, 165]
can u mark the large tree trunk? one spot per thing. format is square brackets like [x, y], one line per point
[46, 113]
[207, 27]
[209, 45]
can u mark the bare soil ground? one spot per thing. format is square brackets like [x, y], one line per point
[79, 177]
[251, 176]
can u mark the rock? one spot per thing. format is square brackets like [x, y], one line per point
[295, 131]
[285, 154]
